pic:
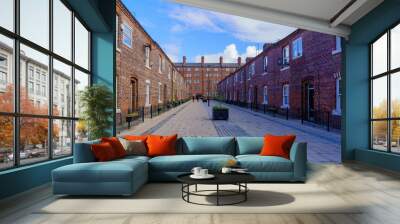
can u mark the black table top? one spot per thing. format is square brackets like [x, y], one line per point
[220, 178]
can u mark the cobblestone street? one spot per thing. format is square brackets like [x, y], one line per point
[193, 119]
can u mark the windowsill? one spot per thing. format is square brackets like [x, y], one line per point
[118, 50]
[336, 51]
[337, 112]
[265, 73]
[285, 68]
[148, 67]
[294, 58]
[147, 105]
[118, 111]
[29, 166]
[285, 107]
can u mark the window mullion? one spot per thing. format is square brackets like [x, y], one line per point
[16, 84]
[389, 101]
[73, 81]
[50, 81]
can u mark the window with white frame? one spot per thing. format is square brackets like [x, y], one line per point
[285, 95]
[147, 93]
[297, 48]
[285, 56]
[147, 56]
[265, 63]
[265, 95]
[160, 64]
[338, 45]
[159, 92]
[127, 35]
[338, 109]
[252, 70]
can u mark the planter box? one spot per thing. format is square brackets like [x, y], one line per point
[220, 114]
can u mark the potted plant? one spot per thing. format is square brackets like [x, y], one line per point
[97, 102]
[220, 113]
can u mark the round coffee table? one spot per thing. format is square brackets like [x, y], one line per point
[238, 179]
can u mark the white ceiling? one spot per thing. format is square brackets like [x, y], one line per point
[326, 16]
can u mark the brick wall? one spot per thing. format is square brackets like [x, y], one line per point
[319, 66]
[132, 70]
[202, 78]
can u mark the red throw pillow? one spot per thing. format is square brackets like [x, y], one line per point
[161, 145]
[277, 145]
[116, 145]
[103, 152]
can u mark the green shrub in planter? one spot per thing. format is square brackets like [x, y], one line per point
[220, 113]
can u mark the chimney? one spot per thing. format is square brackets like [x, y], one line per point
[239, 61]
[221, 60]
[248, 59]
[202, 59]
[184, 60]
[266, 45]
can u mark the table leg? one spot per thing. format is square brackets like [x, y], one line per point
[245, 193]
[196, 187]
[217, 194]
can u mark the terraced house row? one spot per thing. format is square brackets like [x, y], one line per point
[146, 76]
[299, 75]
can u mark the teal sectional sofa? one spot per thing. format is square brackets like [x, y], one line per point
[125, 176]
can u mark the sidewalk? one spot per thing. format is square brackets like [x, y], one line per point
[188, 119]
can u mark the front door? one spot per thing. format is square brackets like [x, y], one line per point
[255, 96]
[310, 111]
[165, 94]
[134, 95]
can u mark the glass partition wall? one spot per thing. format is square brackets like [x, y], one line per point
[44, 64]
[385, 91]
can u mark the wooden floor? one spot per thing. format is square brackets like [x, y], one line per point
[378, 189]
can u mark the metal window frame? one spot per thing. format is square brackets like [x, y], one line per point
[388, 74]
[16, 115]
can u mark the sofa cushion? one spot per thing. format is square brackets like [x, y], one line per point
[112, 171]
[249, 145]
[83, 152]
[185, 163]
[206, 145]
[257, 163]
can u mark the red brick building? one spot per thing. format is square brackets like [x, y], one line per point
[145, 74]
[202, 78]
[301, 72]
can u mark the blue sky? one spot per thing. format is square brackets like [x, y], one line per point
[182, 30]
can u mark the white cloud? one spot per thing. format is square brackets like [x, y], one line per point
[194, 18]
[172, 50]
[241, 28]
[230, 54]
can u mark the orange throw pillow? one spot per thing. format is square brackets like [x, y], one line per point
[161, 145]
[116, 145]
[136, 137]
[277, 145]
[103, 152]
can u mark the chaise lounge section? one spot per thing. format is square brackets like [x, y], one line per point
[125, 176]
